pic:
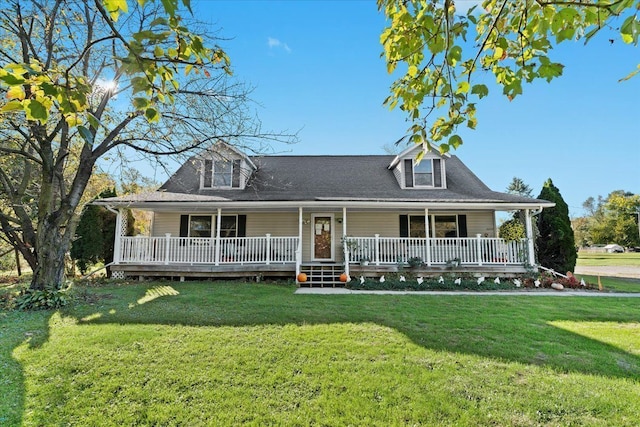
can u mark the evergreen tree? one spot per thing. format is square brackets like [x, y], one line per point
[556, 247]
[95, 235]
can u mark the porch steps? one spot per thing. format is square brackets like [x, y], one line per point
[322, 275]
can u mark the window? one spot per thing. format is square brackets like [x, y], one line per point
[439, 226]
[427, 173]
[205, 226]
[445, 226]
[200, 226]
[416, 226]
[423, 173]
[221, 174]
[229, 226]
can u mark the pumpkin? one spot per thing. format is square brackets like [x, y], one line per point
[343, 277]
[302, 277]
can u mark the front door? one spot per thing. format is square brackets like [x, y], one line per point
[322, 237]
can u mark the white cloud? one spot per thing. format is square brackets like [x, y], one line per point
[277, 44]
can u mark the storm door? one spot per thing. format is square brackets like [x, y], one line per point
[322, 233]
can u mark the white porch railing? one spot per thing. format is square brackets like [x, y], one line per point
[198, 250]
[467, 250]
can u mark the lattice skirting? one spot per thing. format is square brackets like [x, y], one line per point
[118, 275]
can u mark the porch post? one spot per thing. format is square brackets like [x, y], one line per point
[299, 247]
[529, 230]
[218, 224]
[120, 225]
[479, 248]
[167, 243]
[377, 250]
[427, 237]
[344, 242]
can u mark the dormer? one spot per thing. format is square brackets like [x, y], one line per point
[428, 173]
[224, 167]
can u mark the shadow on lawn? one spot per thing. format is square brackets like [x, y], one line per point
[505, 328]
[18, 328]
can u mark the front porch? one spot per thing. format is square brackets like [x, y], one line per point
[281, 256]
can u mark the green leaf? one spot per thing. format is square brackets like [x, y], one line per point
[170, 6]
[152, 115]
[455, 141]
[140, 103]
[463, 87]
[36, 111]
[455, 54]
[11, 106]
[86, 135]
[12, 79]
[629, 30]
[480, 90]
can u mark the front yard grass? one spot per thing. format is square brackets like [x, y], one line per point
[232, 353]
[606, 259]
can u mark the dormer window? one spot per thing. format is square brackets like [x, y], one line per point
[221, 173]
[427, 173]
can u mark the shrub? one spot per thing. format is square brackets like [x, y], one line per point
[41, 299]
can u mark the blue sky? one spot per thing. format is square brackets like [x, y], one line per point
[316, 69]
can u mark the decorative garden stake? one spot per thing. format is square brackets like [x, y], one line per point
[457, 281]
[497, 281]
[441, 280]
[382, 279]
[402, 279]
[480, 279]
[420, 280]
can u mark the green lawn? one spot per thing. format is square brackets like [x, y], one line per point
[230, 353]
[597, 259]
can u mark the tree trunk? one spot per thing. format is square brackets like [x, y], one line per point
[51, 249]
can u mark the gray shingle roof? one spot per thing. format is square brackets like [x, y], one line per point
[362, 178]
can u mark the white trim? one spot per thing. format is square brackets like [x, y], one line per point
[333, 236]
[261, 205]
[415, 147]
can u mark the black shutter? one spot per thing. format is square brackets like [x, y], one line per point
[437, 173]
[242, 226]
[408, 173]
[462, 226]
[184, 225]
[404, 225]
[207, 174]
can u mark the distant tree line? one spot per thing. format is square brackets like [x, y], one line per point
[613, 219]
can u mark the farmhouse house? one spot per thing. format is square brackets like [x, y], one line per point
[226, 214]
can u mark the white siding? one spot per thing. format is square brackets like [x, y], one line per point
[166, 222]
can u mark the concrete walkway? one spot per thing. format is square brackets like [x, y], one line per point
[524, 292]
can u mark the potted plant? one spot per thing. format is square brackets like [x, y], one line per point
[415, 262]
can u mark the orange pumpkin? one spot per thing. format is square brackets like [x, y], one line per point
[343, 277]
[302, 277]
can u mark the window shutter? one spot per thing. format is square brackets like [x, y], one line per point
[437, 173]
[408, 173]
[242, 226]
[207, 174]
[184, 227]
[462, 226]
[404, 225]
[235, 177]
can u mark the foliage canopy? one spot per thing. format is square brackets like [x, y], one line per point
[512, 39]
